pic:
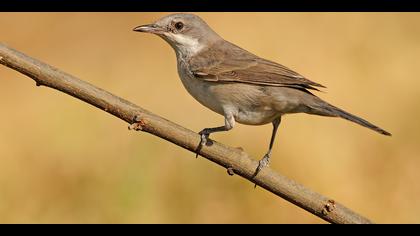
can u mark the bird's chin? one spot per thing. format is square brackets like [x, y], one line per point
[168, 39]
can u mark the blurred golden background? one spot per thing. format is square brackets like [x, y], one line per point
[63, 161]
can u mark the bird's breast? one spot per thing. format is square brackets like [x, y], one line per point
[200, 90]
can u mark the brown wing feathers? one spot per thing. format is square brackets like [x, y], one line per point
[244, 67]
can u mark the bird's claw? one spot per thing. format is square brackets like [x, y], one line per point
[204, 135]
[264, 162]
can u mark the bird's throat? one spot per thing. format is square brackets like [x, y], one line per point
[186, 45]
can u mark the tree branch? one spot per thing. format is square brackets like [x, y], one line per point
[235, 160]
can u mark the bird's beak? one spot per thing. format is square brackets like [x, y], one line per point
[150, 28]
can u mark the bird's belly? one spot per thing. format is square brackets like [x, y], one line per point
[255, 116]
[241, 100]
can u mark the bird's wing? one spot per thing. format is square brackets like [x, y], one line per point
[241, 66]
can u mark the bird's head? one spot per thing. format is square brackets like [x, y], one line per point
[186, 33]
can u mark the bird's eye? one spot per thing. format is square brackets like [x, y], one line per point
[179, 25]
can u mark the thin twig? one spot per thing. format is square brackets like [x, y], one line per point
[233, 159]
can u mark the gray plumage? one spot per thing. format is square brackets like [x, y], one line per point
[237, 84]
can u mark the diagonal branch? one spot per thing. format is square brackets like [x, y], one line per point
[235, 160]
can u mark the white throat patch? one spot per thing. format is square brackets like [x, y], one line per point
[186, 43]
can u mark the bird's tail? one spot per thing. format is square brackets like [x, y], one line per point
[325, 109]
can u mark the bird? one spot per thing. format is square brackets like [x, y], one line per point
[238, 84]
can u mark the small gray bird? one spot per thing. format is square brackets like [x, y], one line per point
[237, 84]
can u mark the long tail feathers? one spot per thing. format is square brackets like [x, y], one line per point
[331, 110]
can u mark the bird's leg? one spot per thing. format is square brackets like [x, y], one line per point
[205, 133]
[266, 159]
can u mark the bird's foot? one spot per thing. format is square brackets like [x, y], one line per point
[204, 134]
[264, 162]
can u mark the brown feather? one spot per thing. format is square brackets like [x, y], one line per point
[216, 64]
